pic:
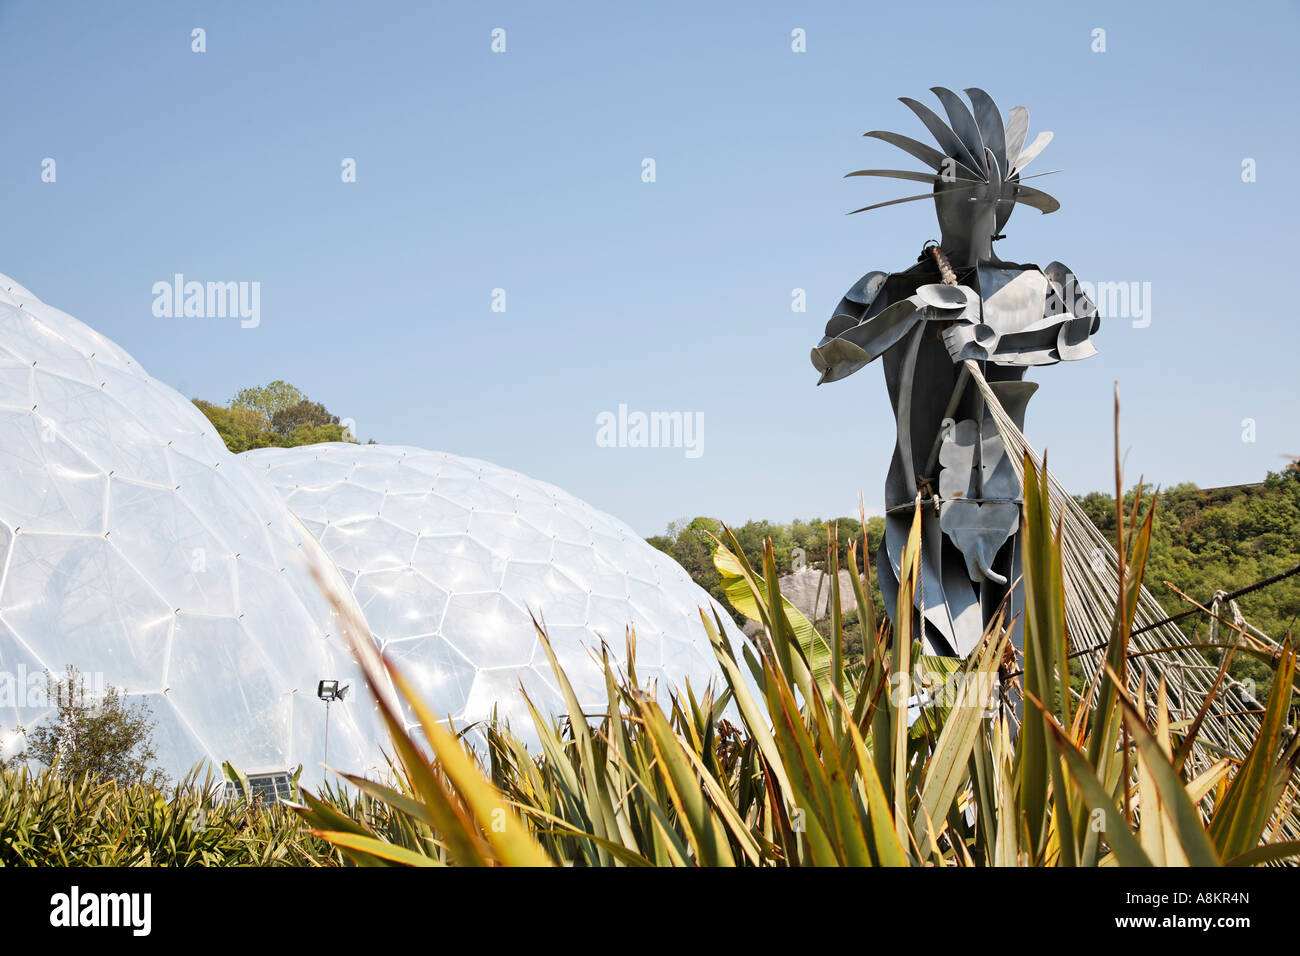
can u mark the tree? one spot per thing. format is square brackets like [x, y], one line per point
[102, 736]
[303, 414]
[690, 544]
[267, 400]
[277, 415]
[240, 428]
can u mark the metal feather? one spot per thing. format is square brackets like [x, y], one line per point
[892, 202]
[1032, 150]
[962, 121]
[971, 184]
[995, 169]
[949, 141]
[908, 174]
[1050, 172]
[989, 119]
[1016, 131]
[926, 154]
[1036, 199]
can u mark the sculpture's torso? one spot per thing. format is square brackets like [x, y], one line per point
[948, 450]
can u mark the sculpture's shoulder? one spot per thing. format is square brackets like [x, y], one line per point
[1069, 295]
[877, 313]
[850, 341]
[1027, 316]
[876, 291]
[862, 295]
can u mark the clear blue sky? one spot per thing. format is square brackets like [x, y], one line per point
[522, 171]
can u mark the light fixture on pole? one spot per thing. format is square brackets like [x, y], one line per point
[329, 691]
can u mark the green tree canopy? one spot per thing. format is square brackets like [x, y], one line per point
[277, 415]
[1222, 539]
[1204, 540]
[303, 414]
[99, 735]
[267, 400]
[690, 543]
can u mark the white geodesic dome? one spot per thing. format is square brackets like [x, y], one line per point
[136, 548]
[447, 556]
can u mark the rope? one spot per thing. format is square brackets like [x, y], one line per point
[1090, 569]
[1240, 592]
[1219, 597]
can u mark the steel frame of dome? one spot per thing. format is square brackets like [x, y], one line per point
[447, 556]
[135, 547]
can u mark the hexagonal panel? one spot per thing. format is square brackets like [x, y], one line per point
[141, 579]
[492, 544]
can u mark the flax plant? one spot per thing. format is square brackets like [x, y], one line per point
[795, 759]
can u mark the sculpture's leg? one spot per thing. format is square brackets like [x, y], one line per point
[903, 413]
[946, 608]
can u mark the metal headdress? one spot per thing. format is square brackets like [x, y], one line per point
[978, 165]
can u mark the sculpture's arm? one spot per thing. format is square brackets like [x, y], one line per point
[863, 327]
[1061, 333]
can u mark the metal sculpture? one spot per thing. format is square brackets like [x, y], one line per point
[959, 302]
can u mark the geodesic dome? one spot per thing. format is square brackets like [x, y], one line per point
[136, 548]
[447, 556]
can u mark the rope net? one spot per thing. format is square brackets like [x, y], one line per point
[1090, 568]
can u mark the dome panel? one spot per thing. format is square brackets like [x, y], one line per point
[38, 345]
[495, 544]
[319, 474]
[658, 613]
[458, 563]
[179, 425]
[229, 692]
[34, 451]
[392, 478]
[15, 382]
[369, 542]
[580, 656]
[173, 736]
[75, 600]
[426, 513]
[444, 674]
[100, 429]
[489, 630]
[310, 503]
[604, 608]
[138, 515]
[497, 691]
[510, 536]
[582, 563]
[142, 577]
[561, 523]
[224, 508]
[23, 698]
[399, 603]
[630, 553]
[439, 464]
[545, 591]
[476, 494]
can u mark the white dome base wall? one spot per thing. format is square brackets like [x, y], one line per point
[447, 555]
[136, 548]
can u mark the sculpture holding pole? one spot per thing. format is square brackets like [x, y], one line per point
[959, 302]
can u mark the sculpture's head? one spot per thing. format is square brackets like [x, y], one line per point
[976, 171]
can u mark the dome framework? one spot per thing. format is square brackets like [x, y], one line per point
[137, 549]
[448, 557]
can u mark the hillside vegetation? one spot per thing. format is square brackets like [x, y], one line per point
[277, 415]
[1205, 540]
